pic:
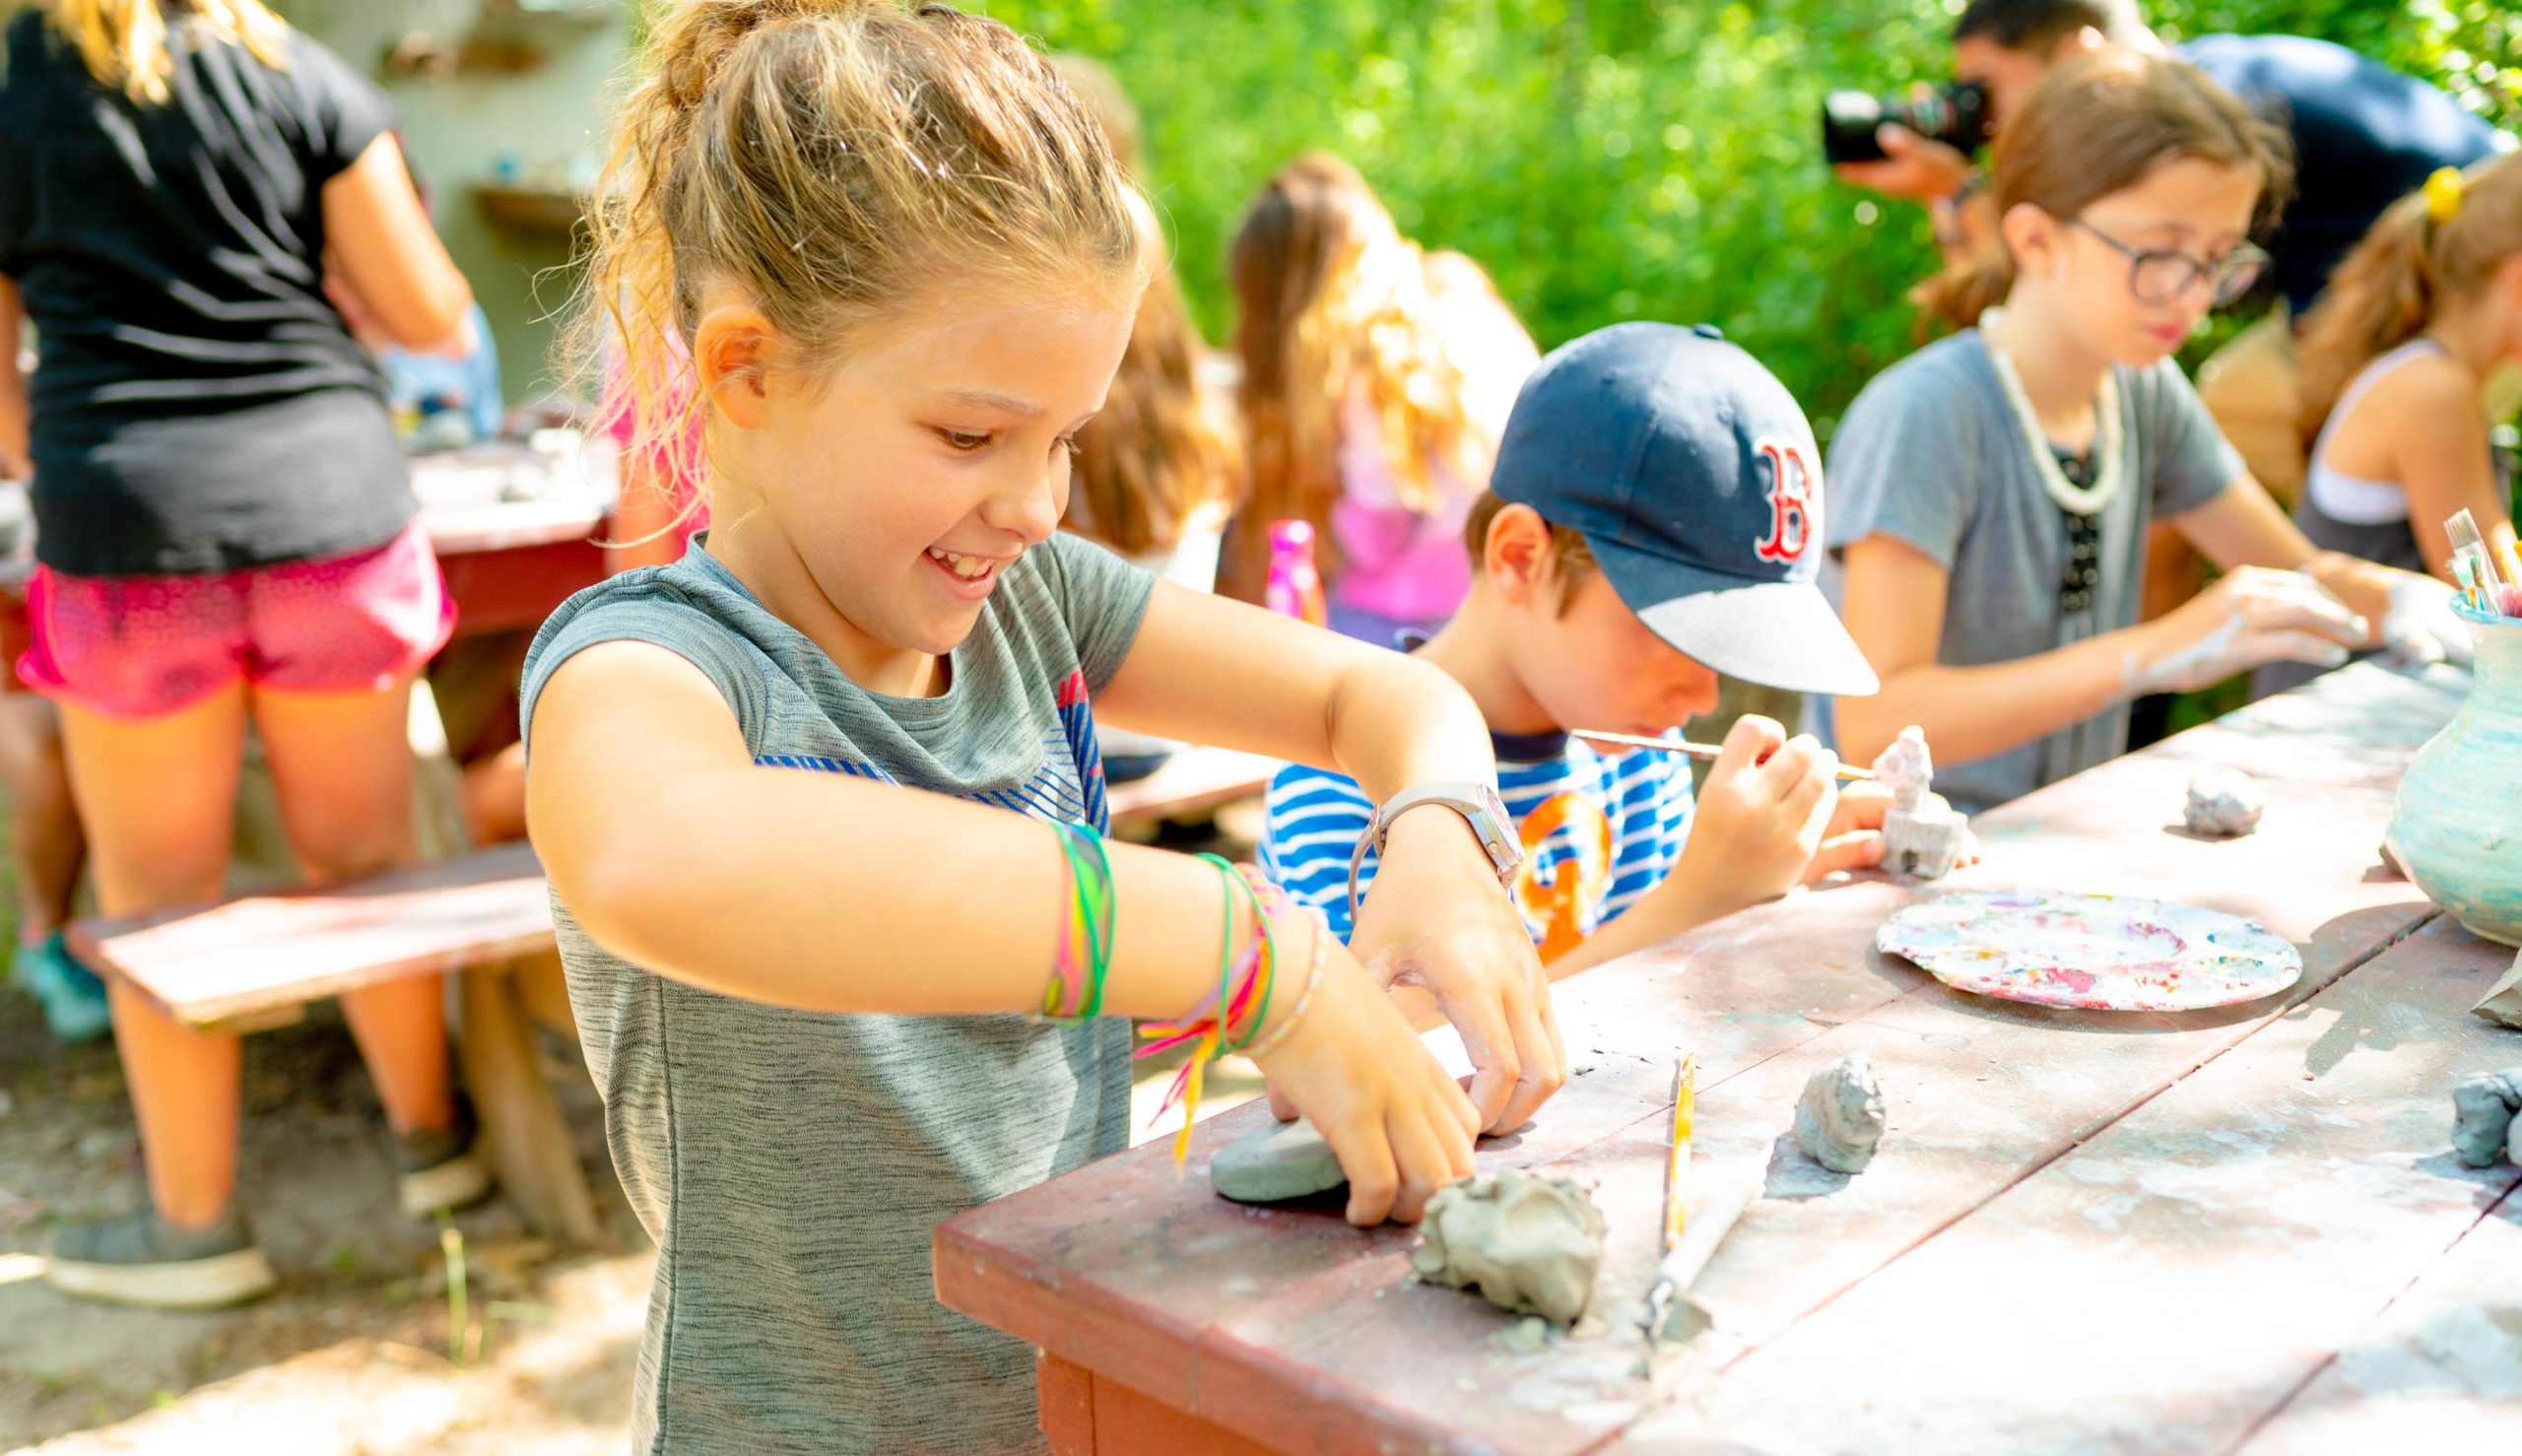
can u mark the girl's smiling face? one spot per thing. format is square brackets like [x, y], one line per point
[897, 486]
[2197, 208]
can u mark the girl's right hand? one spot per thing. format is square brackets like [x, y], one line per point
[2251, 617]
[1402, 1127]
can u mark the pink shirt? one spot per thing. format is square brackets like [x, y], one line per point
[1396, 562]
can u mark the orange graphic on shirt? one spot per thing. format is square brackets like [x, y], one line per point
[1557, 898]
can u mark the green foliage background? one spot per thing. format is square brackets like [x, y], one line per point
[1621, 159]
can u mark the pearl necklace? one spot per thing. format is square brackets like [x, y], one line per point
[2110, 461]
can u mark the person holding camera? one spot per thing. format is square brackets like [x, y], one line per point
[2362, 135]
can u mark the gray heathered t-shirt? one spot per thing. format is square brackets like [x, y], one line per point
[1931, 454]
[792, 1165]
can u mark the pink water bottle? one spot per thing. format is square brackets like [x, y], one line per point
[1294, 587]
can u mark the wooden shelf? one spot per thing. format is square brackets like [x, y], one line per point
[540, 214]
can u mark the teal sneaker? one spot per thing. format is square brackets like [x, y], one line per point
[139, 1259]
[72, 999]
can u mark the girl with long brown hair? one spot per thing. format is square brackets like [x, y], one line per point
[225, 531]
[2396, 359]
[1989, 496]
[1376, 382]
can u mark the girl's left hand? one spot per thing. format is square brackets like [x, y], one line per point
[1437, 917]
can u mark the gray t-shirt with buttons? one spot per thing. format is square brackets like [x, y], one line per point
[792, 1165]
[1934, 456]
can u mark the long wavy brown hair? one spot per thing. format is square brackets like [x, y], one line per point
[1163, 450]
[1330, 294]
[2409, 270]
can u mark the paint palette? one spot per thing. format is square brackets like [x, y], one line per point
[2094, 951]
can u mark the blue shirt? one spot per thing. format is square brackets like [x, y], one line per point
[1599, 831]
[2364, 137]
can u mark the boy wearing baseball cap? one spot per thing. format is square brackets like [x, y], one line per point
[1654, 519]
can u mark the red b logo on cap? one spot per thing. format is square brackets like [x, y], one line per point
[1790, 503]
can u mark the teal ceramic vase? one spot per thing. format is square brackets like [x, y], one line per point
[2457, 828]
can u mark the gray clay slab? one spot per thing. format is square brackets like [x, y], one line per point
[1289, 1159]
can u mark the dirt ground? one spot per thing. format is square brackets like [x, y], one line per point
[361, 1352]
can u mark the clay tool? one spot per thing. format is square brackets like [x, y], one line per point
[1704, 751]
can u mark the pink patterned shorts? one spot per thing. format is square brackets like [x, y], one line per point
[144, 646]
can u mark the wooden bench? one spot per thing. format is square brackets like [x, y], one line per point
[1194, 781]
[254, 962]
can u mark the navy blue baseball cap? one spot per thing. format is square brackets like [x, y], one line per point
[1692, 474]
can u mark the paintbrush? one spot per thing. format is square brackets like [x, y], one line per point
[1676, 1168]
[2462, 529]
[1701, 751]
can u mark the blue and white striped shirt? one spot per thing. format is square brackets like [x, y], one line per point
[1599, 831]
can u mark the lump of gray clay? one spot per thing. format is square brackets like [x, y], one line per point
[1838, 1121]
[1530, 1243]
[2482, 1120]
[1286, 1159]
[2222, 802]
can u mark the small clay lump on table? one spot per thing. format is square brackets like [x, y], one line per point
[1921, 835]
[1530, 1243]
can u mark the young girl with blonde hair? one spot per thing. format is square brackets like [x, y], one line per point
[1989, 494]
[821, 801]
[224, 530]
[2395, 360]
[1376, 382]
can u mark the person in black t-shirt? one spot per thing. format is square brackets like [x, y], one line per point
[225, 527]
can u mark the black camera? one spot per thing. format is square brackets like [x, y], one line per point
[1954, 113]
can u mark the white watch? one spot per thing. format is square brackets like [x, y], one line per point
[1480, 808]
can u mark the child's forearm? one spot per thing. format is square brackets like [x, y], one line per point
[1974, 712]
[859, 897]
[1394, 722]
[15, 413]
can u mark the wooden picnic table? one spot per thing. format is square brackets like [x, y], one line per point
[515, 533]
[2233, 1230]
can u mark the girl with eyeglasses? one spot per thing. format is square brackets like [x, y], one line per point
[1989, 496]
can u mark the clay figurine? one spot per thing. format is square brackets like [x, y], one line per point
[1530, 1243]
[1922, 836]
[2222, 802]
[1838, 1121]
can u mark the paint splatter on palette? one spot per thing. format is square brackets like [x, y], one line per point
[2092, 952]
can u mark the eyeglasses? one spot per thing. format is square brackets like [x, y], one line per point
[2162, 275]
